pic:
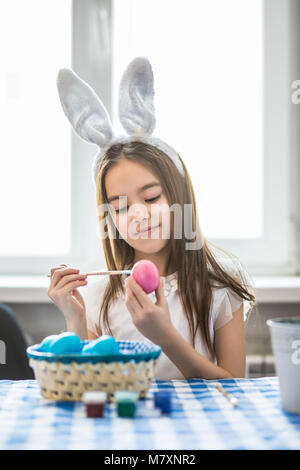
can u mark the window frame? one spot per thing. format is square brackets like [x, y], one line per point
[92, 60]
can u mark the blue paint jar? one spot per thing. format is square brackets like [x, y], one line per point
[163, 401]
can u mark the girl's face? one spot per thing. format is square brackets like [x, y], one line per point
[140, 208]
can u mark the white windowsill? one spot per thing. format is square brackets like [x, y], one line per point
[33, 289]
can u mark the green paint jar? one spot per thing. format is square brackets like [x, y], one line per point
[126, 409]
[126, 403]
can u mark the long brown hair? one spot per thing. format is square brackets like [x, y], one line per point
[198, 269]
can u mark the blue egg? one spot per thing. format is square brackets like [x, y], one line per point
[66, 343]
[103, 345]
[45, 344]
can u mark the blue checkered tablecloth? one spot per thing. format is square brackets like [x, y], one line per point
[201, 418]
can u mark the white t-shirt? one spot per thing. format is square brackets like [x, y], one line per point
[224, 303]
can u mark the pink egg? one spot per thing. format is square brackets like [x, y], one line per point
[146, 275]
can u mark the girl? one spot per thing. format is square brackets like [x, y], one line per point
[197, 313]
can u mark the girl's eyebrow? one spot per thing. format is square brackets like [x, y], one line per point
[143, 188]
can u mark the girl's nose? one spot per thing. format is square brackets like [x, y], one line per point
[139, 212]
[140, 223]
[139, 217]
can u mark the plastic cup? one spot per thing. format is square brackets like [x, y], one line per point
[94, 403]
[126, 403]
[126, 409]
[163, 401]
[285, 339]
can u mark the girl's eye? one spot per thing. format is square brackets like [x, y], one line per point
[147, 200]
[153, 199]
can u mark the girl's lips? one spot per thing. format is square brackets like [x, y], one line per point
[148, 230]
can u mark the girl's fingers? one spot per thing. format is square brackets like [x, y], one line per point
[53, 270]
[60, 272]
[132, 304]
[160, 295]
[72, 285]
[139, 293]
[68, 278]
[59, 267]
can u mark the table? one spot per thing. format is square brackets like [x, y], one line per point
[201, 418]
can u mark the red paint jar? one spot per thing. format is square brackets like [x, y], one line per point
[94, 403]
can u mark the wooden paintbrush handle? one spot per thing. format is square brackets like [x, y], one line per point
[103, 273]
[99, 273]
[232, 400]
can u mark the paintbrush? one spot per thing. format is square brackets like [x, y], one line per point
[232, 400]
[103, 273]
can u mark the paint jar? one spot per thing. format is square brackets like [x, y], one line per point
[163, 401]
[285, 338]
[126, 403]
[94, 403]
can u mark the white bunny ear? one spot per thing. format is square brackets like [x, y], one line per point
[136, 94]
[83, 108]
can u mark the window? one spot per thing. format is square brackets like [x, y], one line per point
[35, 150]
[229, 68]
[223, 68]
[215, 88]
[48, 211]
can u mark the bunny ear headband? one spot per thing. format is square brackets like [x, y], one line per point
[90, 119]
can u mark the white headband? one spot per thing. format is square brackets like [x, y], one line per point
[90, 119]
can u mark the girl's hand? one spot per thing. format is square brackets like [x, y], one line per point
[63, 292]
[152, 320]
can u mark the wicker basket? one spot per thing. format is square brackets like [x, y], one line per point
[68, 376]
